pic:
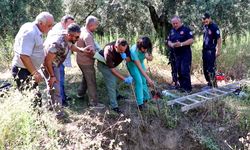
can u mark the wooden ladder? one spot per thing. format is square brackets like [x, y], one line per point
[200, 98]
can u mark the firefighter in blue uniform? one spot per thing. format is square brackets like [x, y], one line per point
[180, 39]
[172, 62]
[211, 49]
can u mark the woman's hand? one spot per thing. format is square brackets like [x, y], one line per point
[149, 57]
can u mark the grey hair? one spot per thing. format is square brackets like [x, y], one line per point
[43, 17]
[91, 19]
[177, 18]
[66, 18]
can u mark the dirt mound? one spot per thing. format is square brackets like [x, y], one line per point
[212, 127]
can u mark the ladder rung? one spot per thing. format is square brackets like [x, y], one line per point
[211, 93]
[202, 96]
[182, 103]
[186, 108]
[193, 100]
[221, 91]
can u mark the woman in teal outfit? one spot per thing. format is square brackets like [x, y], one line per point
[139, 52]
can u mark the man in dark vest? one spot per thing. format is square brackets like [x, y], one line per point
[211, 49]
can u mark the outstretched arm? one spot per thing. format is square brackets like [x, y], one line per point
[138, 64]
[117, 74]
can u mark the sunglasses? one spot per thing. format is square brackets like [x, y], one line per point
[124, 43]
[72, 35]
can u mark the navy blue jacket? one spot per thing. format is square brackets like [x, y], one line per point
[182, 34]
[211, 33]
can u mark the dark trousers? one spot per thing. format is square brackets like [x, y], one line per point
[62, 80]
[88, 82]
[24, 81]
[209, 67]
[183, 64]
[172, 59]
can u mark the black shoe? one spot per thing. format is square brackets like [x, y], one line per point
[185, 91]
[67, 98]
[117, 110]
[120, 97]
[65, 104]
[141, 107]
[209, 84]
[214, 84]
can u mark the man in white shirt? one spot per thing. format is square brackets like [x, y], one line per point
[28, 49]
[57, 30]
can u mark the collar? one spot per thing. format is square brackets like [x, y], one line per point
[91, 33]
[179, 28]
[37, 29]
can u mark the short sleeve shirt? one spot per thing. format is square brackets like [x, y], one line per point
[29, 41]
[59, 47]
[211, 33]
[58, 30]
[136, 55]
[182, 34]
[113, 58]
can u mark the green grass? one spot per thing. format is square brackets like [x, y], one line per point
[6, 52]
[21, 127]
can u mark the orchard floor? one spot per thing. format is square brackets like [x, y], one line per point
[214, 126]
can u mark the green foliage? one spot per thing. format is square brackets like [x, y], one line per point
[116, 17]
[22, 127]
[14, 13]
[168, 116]
[6, 52]
[209, 143]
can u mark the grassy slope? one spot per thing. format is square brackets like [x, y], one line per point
[21, 128]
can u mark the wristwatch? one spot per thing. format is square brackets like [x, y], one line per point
[181, 44]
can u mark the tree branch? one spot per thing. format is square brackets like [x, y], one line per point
[94, 9]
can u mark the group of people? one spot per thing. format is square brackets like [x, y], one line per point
[179, 42]
[35, 59]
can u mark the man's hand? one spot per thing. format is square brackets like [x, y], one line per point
[37, 77]
[87, 49]
[128, 80]
[217, 52]
[52, 80]
[177, 44]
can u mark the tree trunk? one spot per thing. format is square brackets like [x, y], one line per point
[161, 25]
